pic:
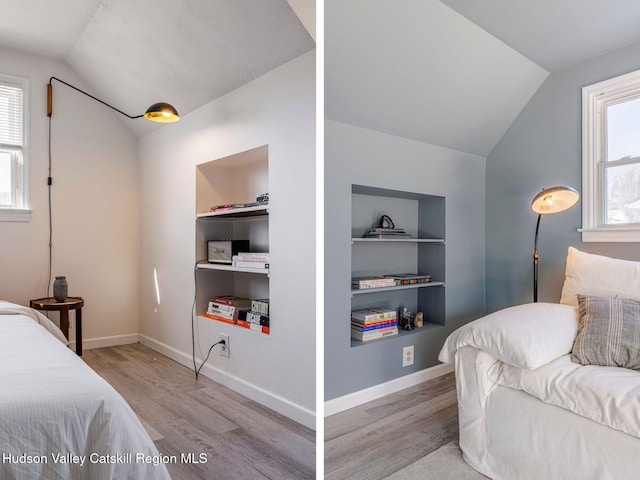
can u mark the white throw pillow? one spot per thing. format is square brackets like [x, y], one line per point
[596, 275]
[525, 336]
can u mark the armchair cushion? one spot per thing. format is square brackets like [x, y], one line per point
[525, 336]
[589, 274]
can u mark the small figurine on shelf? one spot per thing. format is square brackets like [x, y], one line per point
[406, 319]
[418, 321]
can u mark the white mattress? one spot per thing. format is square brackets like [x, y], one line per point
[52, 405]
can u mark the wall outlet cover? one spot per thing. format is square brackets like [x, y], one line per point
[224, 348]
[407, 356]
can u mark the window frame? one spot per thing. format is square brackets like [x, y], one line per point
[21, 211]
[595, 99]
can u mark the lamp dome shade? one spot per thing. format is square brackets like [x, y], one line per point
[555, 200]
[162, 112]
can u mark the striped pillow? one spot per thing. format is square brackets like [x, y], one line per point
[608, 332]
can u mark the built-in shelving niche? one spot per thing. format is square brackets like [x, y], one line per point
[238, 178]
[421, 215]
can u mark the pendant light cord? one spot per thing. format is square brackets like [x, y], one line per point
[49, 183]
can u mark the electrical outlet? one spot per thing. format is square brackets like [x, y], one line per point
[407, 356]
[224, 347]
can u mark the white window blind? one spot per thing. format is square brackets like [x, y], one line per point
[14, 195]
[11, 121]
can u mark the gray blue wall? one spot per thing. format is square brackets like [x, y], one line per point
[359, 156]
[542, 148]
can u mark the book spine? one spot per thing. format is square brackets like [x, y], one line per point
[260, 306]
[243, 324]
[257, 318]
[233, 301]
[252, 257]
[413, 281]
[256, 265]
[221, 313]
[373, 284]
[388, 328]
[371, 281]
[387, 314]
[373, 315]
[372, 335]
[253, 326]
[221, 306]
[363, 337]
[224, 301]
[368, 318]
[374, 326]
[218, 318]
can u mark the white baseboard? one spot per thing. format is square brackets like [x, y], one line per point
[100, 342]
[281, 405]
[340, 404]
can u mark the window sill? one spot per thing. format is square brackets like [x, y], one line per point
[611, 234]
[15, 214]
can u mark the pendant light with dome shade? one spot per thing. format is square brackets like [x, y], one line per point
[158, 112]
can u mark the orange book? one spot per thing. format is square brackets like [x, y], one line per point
[220, 319]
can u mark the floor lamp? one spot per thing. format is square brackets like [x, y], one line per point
[547, 202]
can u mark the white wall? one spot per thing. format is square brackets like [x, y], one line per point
[95, 204]
[277, 109]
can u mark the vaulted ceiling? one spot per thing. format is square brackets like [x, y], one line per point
[456, 73]
[185, 52]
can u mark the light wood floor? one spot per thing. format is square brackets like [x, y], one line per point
[242, 439]
[375, 440]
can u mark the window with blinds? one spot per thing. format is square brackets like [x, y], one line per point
[13, 193]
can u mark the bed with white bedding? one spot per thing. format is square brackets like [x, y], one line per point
[59, 420]
[526, 410]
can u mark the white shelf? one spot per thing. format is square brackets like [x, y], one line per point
[237, 212]
[402, 240]
[229, 268]
[397, 287]
[202, 318]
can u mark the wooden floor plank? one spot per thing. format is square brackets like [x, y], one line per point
[242, 439]
[285, 442]
[377, 439]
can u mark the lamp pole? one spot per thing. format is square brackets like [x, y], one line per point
[536, 260]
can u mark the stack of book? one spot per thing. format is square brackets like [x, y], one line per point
[240, 311]
[258, 317]
[256, 260]
[261, 200]
[372, 282]
[387, 233]
[226, 206]
[373, 323]
[228, 309]
[409, 278]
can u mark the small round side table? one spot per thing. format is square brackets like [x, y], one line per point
[71, 303]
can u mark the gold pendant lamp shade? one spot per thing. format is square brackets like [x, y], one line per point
[162, 112]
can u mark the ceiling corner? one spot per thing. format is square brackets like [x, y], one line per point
[306, 12]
